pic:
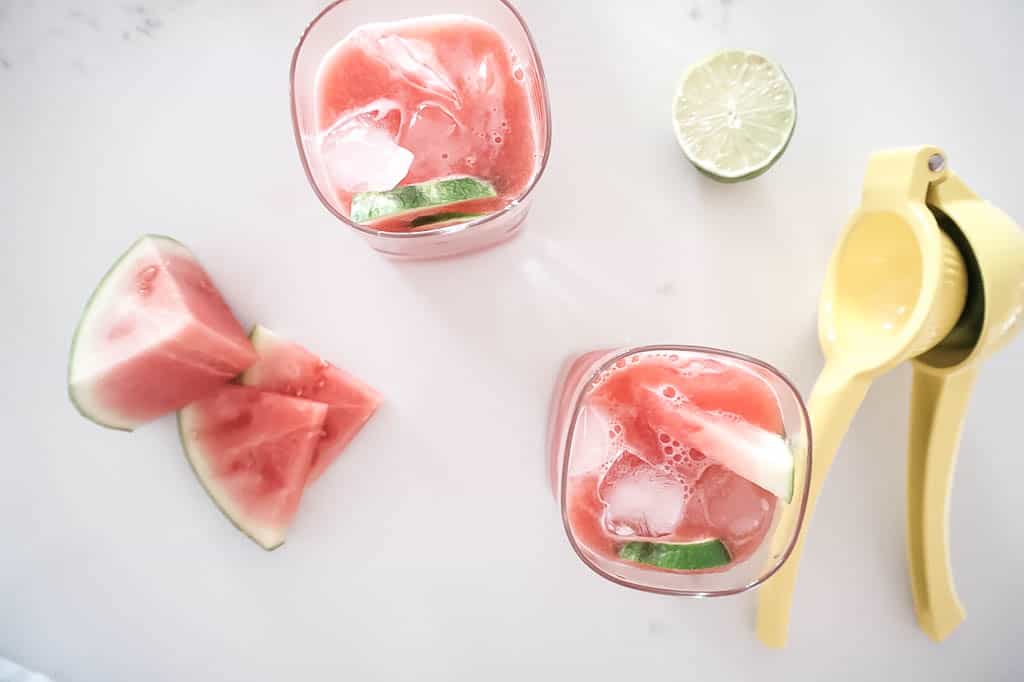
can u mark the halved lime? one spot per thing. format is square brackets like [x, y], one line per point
[691, 556]
[733, 114]
[418, 199]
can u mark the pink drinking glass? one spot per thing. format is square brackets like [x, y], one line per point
[580, 373]
[332, 24]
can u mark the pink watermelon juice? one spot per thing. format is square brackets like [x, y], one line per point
[412, 126]
[419, 100]
[677, 463]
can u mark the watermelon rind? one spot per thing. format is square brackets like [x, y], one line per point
[261, 339]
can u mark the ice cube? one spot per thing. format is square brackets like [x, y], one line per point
[415, 62]
[641, 500]
[362, 157]
[733, 505]
[593, 443]
[383, 113]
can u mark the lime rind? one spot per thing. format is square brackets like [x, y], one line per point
[734, 113]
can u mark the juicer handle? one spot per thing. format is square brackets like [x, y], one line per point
[834, 400]
[938, 404]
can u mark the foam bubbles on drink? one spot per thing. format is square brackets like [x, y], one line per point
[730, 417]
[697, 367]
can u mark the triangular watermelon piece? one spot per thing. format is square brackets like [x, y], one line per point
[288, 368]
[252, 452]
[155, 336]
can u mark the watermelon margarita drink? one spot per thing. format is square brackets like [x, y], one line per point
[428, 133]
[674, 465]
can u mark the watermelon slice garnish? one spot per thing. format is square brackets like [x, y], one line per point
[288, 368]
[762, 457]
[725, 412]
[252, 451]
[155, 336]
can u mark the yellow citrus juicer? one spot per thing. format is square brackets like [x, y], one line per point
[924, 270]
[992, 247]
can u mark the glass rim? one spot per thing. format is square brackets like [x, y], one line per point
[449, 229]
[563, 475]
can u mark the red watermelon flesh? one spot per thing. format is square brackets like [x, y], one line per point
[584, 513]
[155, 336]
[288, 368]
[252, 451]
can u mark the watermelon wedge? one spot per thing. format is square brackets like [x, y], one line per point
[155, 336]
[288, 368]
[252, 451]
[760, 456]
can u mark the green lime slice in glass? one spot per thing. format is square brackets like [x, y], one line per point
[691, 556]
[414, 200]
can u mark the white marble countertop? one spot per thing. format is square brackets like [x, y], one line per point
[432, 550]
